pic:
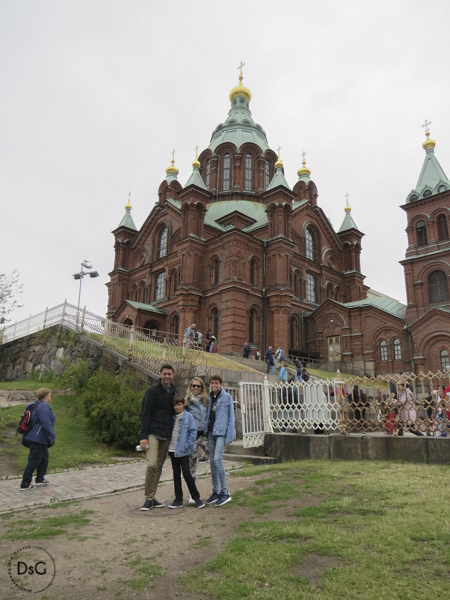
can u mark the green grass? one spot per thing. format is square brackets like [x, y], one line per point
[382, 526]
[49, 527]
[30, 385]
[74, 444]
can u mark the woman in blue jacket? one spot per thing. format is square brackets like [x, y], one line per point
[196, 402]
[42, 421]
[220, 430]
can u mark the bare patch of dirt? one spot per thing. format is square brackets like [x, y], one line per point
[102, 559]
[314, 566]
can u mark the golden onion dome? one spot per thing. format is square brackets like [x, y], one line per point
[304, 170]
[428, 143]
[347, 207]
[196, 162]
[240, 90]
[172, 168]
[128, 204]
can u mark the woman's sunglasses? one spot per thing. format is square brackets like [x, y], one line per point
[196, 385]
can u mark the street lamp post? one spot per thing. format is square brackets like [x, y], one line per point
[84, 265]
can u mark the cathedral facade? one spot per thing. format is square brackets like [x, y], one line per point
[239, 253]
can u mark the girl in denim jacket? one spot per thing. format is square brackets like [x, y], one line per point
[220, 430]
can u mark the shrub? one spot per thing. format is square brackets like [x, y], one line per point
[76, 376]
[112, 407]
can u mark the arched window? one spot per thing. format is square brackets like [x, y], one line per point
[296, 286]
[226, 173]
[383, 351]
[437, 286]
[252, 272]
[216, 271]
[175, 324]
[445, 362]
[207, 173]
[311, 288]
[248, 172]
[162, 243]
[251, 327]
[310, 245]
[136, 294]
[160, 286]
[267, 174]
[215, 322]
[397, 349]
[442, 228]
[421, 230]
[175, 282]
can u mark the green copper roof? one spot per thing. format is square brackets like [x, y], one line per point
[384, 303]
[431, 178]
[196, 179]
[253, 210]
[127, 221]
[148, 307]
[278, 179]
[348, 223]
[239, 128]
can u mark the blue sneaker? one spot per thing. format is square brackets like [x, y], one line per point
[199, 503]
[176, 504]
[223, 499]
[213, 498]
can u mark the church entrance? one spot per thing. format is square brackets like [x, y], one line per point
[334, 349]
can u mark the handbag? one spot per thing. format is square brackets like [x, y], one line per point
[50, 442]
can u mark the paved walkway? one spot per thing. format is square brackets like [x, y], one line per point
[86, 483]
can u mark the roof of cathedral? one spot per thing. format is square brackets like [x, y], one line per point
[253, 210]
[304, 172]
[278, 178]
[127, 220]
[239, 128]
[196, 178]
[384, 303]
[432, 177]
[148, 307]
[348, 222]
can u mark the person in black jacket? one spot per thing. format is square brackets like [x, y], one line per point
[156, 429]
[359, 403]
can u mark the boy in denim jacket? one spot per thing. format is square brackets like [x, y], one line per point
[181, 445]
[220, 431]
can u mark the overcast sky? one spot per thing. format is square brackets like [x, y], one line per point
[94, 95]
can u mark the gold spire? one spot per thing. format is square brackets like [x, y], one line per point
[347, 207]
[304, 170]
[128, 205]
[428, 143]
[196, 162]
[240, 90]
[172, 168]
[279, 163]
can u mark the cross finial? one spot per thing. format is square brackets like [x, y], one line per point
[347, 207]
[426, 126]
[240, 67]
[196, 148]
[346, 196]
[303, 155]
[278, 150]
[129, 195]
[128, 206]
[173, 157]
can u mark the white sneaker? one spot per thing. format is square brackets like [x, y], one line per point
[191, 501]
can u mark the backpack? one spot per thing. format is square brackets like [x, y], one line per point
[305, 376]
[24, 425]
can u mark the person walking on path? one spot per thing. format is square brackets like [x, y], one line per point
[268, 358]
[283, 374]
[220, 431]
[181, 445]
[246, 350]
[42, 422]
[156, 429]
[196, 403]
[280, 355]
[189, 334]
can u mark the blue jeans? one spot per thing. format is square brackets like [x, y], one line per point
[216, 445]
[37, 461]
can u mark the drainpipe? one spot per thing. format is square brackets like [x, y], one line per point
[264, 296]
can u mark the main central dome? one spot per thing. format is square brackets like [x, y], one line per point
[239, 128]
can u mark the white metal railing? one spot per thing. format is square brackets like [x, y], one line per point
[149, 348]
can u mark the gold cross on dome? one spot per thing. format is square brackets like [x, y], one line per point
[240, 67]
[129, 194]
[173, 156]
[303, 156]
[278, 150]
[196, 148]
[346, 196]
[426, 125]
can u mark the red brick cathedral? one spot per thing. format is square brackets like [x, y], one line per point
[238, 252]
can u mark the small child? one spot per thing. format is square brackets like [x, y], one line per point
[181, 446]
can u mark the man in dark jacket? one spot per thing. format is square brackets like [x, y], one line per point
[156, 429]
[246, 350]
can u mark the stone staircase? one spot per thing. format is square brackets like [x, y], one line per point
[256, 456]
[258, 365]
